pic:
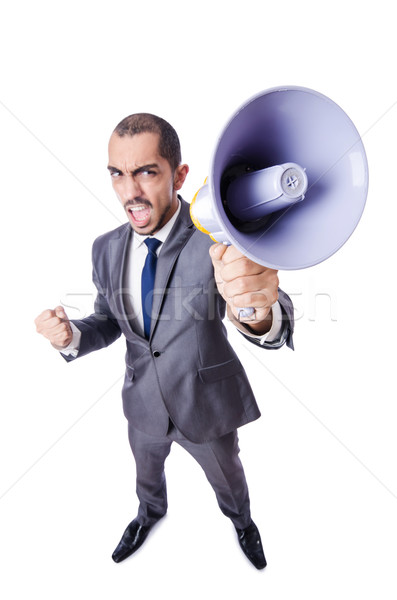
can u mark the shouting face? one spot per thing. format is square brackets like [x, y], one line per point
[143, 180]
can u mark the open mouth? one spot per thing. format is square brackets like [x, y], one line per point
[140, 214]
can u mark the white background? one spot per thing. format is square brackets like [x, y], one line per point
[321, 462]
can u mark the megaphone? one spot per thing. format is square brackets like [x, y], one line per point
[288, 180]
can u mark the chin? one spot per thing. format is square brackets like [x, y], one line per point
[146, 230]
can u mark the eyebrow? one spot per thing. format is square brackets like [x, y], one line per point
[136, 171]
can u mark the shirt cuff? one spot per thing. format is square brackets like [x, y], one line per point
[73, 348]
[275, 330]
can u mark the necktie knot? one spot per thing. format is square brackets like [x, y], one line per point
[152, 244]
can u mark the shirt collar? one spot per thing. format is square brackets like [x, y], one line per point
[161, 234]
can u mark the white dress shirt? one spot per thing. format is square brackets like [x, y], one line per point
[132, 281]
[133, 270]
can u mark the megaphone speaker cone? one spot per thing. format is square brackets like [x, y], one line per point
[322, 197]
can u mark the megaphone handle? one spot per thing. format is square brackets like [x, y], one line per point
[243, 313]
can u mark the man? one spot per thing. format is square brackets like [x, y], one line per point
[183, 381]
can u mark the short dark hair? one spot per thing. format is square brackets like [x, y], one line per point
[169, 146]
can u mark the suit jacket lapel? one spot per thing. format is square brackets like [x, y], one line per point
[119, 248]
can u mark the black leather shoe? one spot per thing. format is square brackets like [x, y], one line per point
[133, 538]
[250, 542]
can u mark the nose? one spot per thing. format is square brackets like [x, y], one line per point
[130, 188]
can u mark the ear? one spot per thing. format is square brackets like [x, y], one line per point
[179, 176]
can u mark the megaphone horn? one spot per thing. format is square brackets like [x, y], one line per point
[288, 180]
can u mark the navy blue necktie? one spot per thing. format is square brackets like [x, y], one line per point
[148, 274]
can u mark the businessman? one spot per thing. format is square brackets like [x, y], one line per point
[167, 287]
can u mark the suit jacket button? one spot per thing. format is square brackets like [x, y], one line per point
[156, 353]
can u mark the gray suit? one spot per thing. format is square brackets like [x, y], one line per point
[185, 382]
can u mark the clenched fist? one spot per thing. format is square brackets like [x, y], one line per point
[55, 326]
[244, 283]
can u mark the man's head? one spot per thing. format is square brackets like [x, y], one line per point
[146, 170]
[169, 146]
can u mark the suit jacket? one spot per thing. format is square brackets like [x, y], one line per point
[187, 370]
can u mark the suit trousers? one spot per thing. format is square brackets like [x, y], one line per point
[218, 458]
